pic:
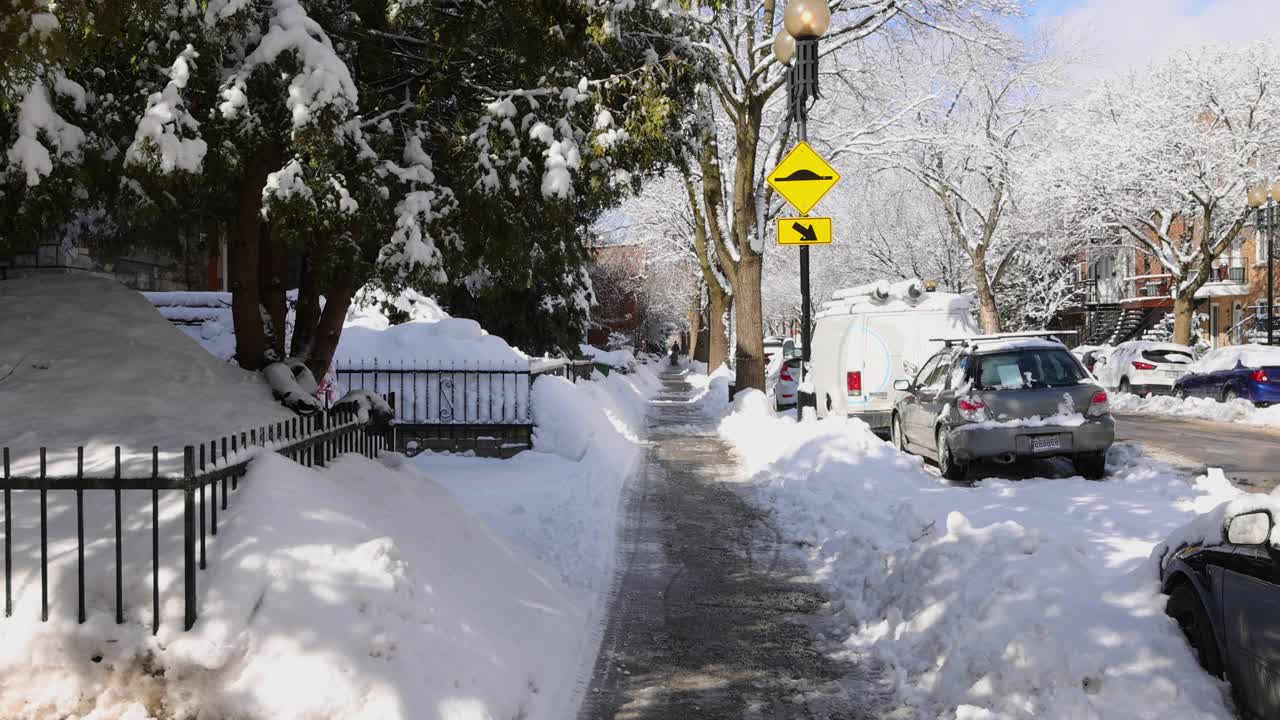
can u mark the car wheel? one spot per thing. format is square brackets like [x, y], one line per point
[1185, 607]
[1093, 465]
[1230, 394]
[899, 439]
[1125, 387]
[951, 468]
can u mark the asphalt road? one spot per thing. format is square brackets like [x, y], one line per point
[1249, 456]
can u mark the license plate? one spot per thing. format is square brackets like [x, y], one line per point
[1041, 443]
[1174, 374]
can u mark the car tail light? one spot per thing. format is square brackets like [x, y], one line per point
[855, 382]
[1260, 375]
[1100, 404]
[785, 374]
[972, 410]
[1139, 365]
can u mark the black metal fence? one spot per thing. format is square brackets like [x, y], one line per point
[310, 441]
[573, 370]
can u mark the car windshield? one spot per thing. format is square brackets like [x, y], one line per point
[1175, 357]
[1030, 368]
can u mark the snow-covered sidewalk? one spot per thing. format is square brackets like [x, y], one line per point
[1236, 411]
[1031, 599]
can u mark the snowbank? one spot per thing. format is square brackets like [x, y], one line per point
[357, 591]
[1236, 411]
[1028, 599]
[561, 501]
[87, 361]
[711, 392]
[445, 343]
[612, 358]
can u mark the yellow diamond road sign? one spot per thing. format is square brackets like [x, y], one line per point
[804, 231]
[803, 178]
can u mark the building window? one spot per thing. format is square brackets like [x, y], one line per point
[1237, 275]
[1237, 324]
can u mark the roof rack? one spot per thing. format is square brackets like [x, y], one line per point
[1002, 336]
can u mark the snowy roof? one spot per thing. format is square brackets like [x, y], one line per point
[1023, 343]
[1224, 288]
[1253, 356]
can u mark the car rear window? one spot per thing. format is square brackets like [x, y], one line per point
[1175, 357]
[1031, 368]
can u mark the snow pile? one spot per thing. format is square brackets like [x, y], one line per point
[369, 308]
[561, 501]
[355, 591]
[711, 392]
[1236, 411]
[444, 343]
[204, 316]
[1210, 528]
[613, 358]
[87, 361]
[1028, 599]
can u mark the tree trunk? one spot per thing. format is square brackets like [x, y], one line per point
[749, 315]
[251, 340]
[695, 328]
[749, 324]
[329, 329]
[1183, 316]
[273, 268]
[307, 313]
[717, 338]
[988, 314]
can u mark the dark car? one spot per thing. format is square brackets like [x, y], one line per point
[1251, 372]
[1226, 599]
[1004, 398]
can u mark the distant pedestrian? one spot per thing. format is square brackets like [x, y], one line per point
[675, 354]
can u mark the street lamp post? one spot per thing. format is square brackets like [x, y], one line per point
[1268, 217]
[796, 45]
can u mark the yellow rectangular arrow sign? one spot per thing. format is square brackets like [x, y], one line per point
[804, 231]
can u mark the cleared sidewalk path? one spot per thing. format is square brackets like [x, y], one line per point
[708, 620]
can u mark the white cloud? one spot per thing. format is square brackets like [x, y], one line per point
[1116, 35]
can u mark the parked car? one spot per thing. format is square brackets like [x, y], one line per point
[869, 337]
[1226, 598]
[1005, 399]
[782, 375]
[1089, 354]
[1143, 367]
[1251, 372]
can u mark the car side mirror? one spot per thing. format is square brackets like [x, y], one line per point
[902, 385]
[1249, 529]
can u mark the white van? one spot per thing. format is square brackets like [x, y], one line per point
[871, 336]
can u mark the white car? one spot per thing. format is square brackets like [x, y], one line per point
[1143, 367]
[782, 371]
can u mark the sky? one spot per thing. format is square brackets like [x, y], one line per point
[1116, 35]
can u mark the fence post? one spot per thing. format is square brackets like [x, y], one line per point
[44, 541]
[155, 540]
[189, 535]
[119, 552]
[8, 541]
[80, 533]
[201, 484]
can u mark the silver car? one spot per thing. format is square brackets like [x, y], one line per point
[1004, 398]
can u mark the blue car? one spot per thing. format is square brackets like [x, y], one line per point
[1251, 372]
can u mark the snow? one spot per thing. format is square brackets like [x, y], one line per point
[1026, 599]
[444, 343]
[448, 587]
[1236, 411]
[361, 590]
[1015, 343]
[561, 502]
[161, 127]
[613, 358]
[1226, 358]
[854, 300]
[36, 119]
[89, 362]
